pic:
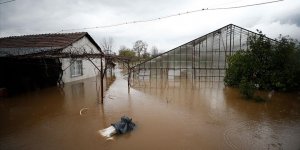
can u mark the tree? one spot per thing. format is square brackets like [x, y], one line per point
[154, 51]
[146, 55]
[267, 65]
[139, 47]
[106, 45]
[286, 64]
[126, 52]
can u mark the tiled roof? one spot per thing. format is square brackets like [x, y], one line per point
[40, 40]
[27, 44]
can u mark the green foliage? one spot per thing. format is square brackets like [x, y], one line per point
[238, 65]
[127, 53]
[270, 65]
[247, 88]
[146, 56]
[286, 74]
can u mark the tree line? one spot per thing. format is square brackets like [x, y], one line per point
[138, 51]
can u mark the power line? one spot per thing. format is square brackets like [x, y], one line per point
[7, 1]
[172, 15]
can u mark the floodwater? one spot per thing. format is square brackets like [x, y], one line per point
[206, 115]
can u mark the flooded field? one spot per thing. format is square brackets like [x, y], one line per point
[172, 115]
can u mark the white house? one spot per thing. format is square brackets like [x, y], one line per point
[17, 63]
[78, 69]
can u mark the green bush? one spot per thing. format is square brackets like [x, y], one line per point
[270, 65]
[247, 88]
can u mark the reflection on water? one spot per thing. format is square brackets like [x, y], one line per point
[243, 124]
[169, 115]
[77, 90]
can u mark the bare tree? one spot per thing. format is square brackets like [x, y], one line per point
[154, 51]
[140, 46]
[106, 45]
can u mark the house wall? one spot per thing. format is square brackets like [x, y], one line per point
[88, 69]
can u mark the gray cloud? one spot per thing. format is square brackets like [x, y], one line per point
[44, 16]
[291, 19]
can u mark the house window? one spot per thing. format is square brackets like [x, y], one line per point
[76, 68]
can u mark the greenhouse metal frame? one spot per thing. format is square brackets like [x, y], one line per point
[202, 59]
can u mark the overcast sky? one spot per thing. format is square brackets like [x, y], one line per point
[22, 17]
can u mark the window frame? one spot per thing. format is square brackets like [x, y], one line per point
[76, 68]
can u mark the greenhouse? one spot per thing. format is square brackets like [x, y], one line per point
[202, 59]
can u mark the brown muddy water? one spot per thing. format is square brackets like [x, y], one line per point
[206, 115]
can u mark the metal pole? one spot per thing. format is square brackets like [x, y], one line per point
[206, 58]
[186, 64]
[219, 55]
[241, 39]
[193, 62]
[101, 80]
[230, 36]
[233, 35]
[129, 72]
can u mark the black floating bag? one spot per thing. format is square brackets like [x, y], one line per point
[123, 126]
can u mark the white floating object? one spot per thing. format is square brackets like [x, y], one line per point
[108, 132]
[81, 110]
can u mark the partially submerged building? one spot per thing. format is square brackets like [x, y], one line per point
[35, 61]
[202, 59]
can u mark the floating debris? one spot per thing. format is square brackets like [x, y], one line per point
[121, 127]
[82, 110]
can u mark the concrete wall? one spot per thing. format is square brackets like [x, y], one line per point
[88, 70]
